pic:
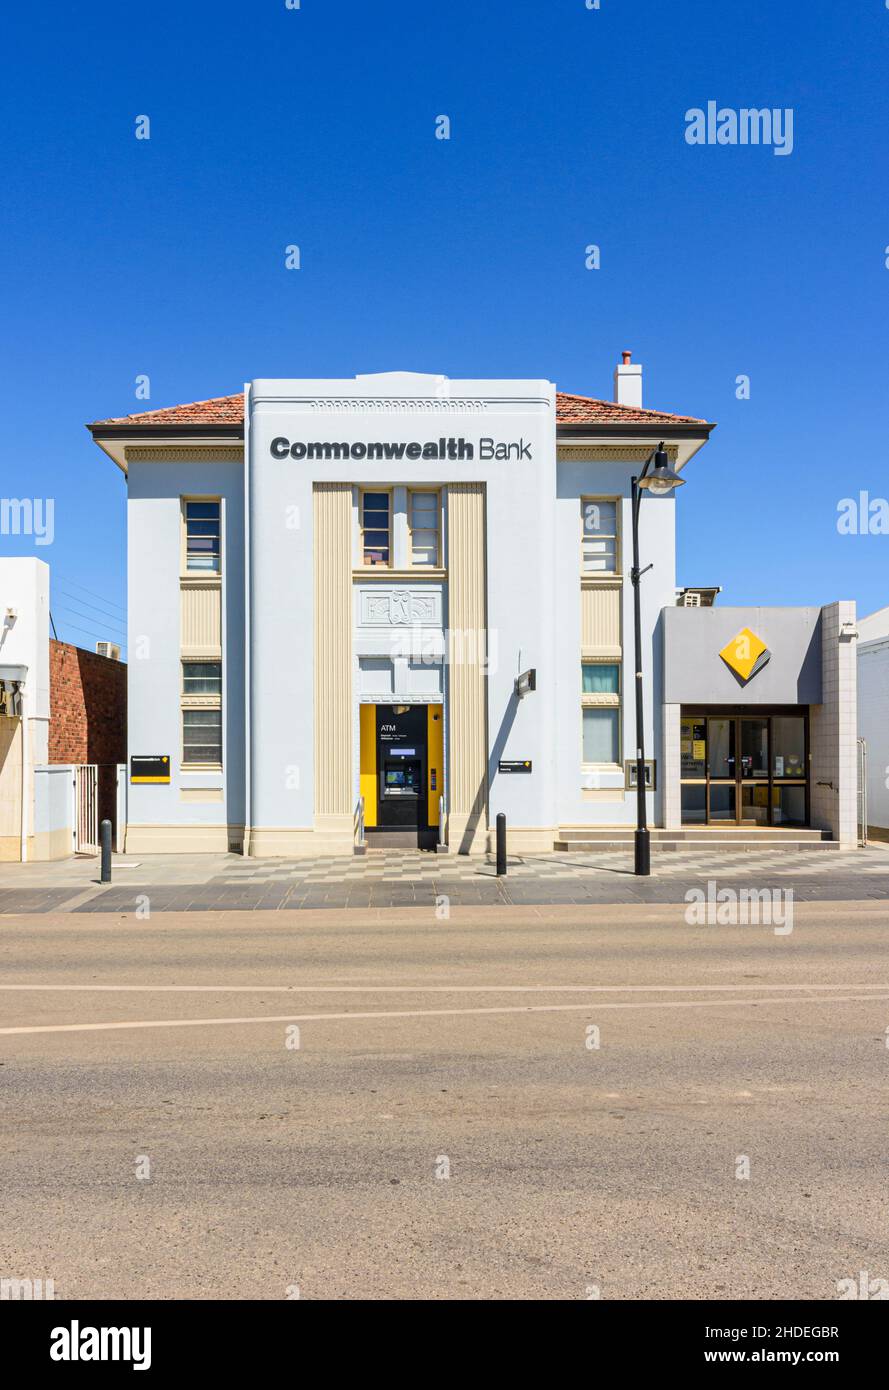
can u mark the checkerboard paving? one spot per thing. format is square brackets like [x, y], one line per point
[400, 866]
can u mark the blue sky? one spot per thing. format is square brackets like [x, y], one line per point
[316, 126]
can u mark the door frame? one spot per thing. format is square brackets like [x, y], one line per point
[703, 715]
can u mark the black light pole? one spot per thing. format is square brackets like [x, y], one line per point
[660, 481]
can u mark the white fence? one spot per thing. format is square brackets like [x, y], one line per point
[120, 824]
[86, 808]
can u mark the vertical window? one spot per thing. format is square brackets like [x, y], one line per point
[202, 536]
[202, 714]
[376, 527]
[599, 550]
[424, 513]
[601, 736]
[600, 711]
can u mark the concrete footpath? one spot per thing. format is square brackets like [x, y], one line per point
[202, 883]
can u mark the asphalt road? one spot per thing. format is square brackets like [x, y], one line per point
[212, 1159]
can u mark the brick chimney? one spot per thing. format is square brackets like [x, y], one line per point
[628, 382]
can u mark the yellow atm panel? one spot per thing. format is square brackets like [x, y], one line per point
[368, 762]
[435, 760]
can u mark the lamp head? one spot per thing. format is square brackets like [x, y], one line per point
[662, 478]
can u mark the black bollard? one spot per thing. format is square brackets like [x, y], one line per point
[501, 844]
[105, 844]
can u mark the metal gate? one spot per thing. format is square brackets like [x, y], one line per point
[862, 792]
[86, 808]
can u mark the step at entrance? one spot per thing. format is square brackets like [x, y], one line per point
[693, 839]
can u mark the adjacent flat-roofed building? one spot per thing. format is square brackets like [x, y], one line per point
[873, 717]
[335, 586]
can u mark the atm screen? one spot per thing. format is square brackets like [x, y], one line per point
[401, 778]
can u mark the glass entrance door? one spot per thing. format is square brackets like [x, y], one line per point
[722, 800]
[743, 769]
[753, 772]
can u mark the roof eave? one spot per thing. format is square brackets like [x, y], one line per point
[114, 440]
[689, 438]
[193, 431]
[635, 429]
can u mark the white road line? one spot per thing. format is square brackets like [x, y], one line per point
[429, 1013]
[423, 989]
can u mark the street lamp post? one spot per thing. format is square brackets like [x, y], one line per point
[661, 480]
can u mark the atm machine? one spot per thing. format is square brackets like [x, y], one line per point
[402, 787]
[402, 772]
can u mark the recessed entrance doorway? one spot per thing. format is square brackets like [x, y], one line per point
[745, 769]
[402, 760]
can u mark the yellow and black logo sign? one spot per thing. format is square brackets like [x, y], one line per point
[745, 654]
[150, 769]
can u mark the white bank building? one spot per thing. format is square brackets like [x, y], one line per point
[388, 608]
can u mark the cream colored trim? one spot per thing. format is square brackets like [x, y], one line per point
[467, 783]
[201, 794]
[332, 508]
[47, 845]
[196, 580]
[201, 622]
[399, 576]
[333, 835]
[600, 620]
[524, 839]
[610, 453]
[182, 839]
[188, 453]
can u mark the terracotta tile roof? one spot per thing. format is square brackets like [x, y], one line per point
[570, 410]
[586, 410]
[219, 410]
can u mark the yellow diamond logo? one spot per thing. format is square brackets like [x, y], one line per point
[745, 654]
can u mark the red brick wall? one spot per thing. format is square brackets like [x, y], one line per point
[87, 706]
[88, 714]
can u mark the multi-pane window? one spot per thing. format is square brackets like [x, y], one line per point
[599, 540]
[202, 536]
[202, 678]
[600, 711]
[202, 713]
[423, 514]
[202, 736]
[376, 527]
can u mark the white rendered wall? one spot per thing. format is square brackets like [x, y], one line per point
[657, 541]
[520, 519]
[154, 680]
[873, 726]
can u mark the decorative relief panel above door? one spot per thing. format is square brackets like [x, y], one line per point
[400, 606]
